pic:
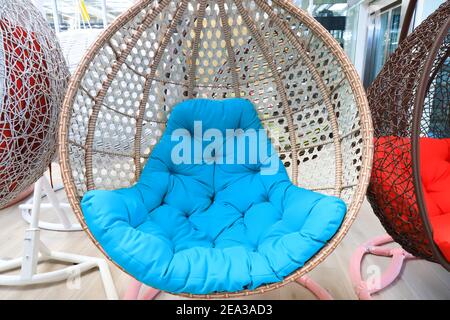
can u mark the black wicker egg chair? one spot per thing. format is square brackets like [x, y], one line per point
[409, 101]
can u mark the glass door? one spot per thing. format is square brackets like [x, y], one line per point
[383, 34]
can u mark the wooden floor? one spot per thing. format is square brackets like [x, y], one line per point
[420, 279]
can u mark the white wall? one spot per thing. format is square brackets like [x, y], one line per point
[361, 41]
[425, 8]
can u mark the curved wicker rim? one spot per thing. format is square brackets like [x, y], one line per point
[366, 130]
[415, 148]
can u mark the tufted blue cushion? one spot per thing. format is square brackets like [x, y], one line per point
[212, 224]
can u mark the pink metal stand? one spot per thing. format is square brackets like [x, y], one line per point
[134, 290]
[365, 289]
[309, 284]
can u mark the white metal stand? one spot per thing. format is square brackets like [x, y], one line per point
[35, 251]
[60, 209]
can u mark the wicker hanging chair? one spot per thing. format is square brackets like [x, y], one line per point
[410, 109]
[33, 78]
[159, 53]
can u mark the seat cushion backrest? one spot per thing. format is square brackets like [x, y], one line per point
[435, 173]
[212, 149]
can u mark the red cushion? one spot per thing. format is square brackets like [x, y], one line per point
[435, 174]
[393, 184]
[441, 233]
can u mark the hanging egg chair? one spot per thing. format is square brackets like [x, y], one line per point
[33, 77]
[193, 230]
[409, 100]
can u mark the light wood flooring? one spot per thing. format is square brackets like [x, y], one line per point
[420, 279]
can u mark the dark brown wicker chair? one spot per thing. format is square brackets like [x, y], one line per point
[409, 101]
[403, 105]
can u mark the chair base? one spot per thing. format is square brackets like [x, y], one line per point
[53, 204]
[135, 287]
[79, 265]
[365, 288]
[35, 251]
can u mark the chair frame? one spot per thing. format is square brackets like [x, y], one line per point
[350, 74]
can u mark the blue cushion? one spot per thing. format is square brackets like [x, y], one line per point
[213, 222]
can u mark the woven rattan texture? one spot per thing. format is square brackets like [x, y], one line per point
[33, 78]
[392, 98]
[159, 53]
